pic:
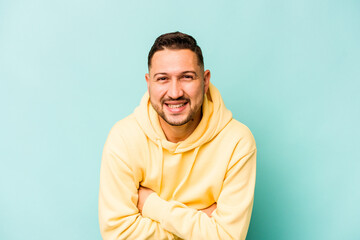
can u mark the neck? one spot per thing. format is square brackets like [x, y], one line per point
[179, 133]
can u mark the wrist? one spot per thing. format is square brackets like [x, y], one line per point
[155, 208]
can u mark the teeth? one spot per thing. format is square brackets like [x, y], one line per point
[176, 106]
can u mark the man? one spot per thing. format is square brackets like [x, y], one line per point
[179, 167]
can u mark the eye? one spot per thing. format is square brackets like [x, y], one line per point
[161, 78]
[188, 77]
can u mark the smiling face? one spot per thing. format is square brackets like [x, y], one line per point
[176, 85]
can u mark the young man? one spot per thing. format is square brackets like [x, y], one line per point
[179, 167]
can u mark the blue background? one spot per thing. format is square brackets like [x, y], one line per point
[289, 70]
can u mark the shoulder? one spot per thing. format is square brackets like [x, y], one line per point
[124, 147]
[244, 150]
[240, 129]
[126, 130]
[242, 135]
[124, 124]
[126, 141]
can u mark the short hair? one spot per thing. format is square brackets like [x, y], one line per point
[176, 40]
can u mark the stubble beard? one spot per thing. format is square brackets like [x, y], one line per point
[188, 118]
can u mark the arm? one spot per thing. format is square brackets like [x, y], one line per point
[145, 192]
[231, 218]
[209, 210]
[119, 217]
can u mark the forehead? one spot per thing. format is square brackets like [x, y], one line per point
[173, 60]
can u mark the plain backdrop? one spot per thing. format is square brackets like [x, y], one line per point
[289, 70]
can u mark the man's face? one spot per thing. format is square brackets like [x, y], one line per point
[177, 85]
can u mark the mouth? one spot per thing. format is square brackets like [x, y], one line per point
[173, 106]
[176, 107]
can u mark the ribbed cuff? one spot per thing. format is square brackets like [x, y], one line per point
[155, 208]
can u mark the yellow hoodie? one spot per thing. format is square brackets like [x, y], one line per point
[216, 163]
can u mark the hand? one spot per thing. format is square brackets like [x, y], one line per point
[209, 210]
[143, 194]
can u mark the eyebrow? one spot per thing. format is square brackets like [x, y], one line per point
[164, 73]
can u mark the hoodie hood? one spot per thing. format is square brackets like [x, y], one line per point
[215, 117]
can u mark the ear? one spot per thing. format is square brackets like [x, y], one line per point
[147, 78]
[207, 76]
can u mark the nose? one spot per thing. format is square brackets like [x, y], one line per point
[175, 89]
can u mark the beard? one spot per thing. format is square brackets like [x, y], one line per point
[176, 122]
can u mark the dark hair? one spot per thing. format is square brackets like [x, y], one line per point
[176, 40]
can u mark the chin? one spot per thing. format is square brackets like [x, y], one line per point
[177, 122]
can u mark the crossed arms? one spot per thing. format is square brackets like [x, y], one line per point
[145, 192]
[129, 211]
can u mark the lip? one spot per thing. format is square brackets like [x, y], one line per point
[175, 102]
[176, 110]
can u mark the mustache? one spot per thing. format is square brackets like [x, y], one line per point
[182, 98]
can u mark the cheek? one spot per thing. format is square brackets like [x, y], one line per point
[156, 92]
[196, 93]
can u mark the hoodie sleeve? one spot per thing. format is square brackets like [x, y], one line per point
[119, 217]
[234, 206]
